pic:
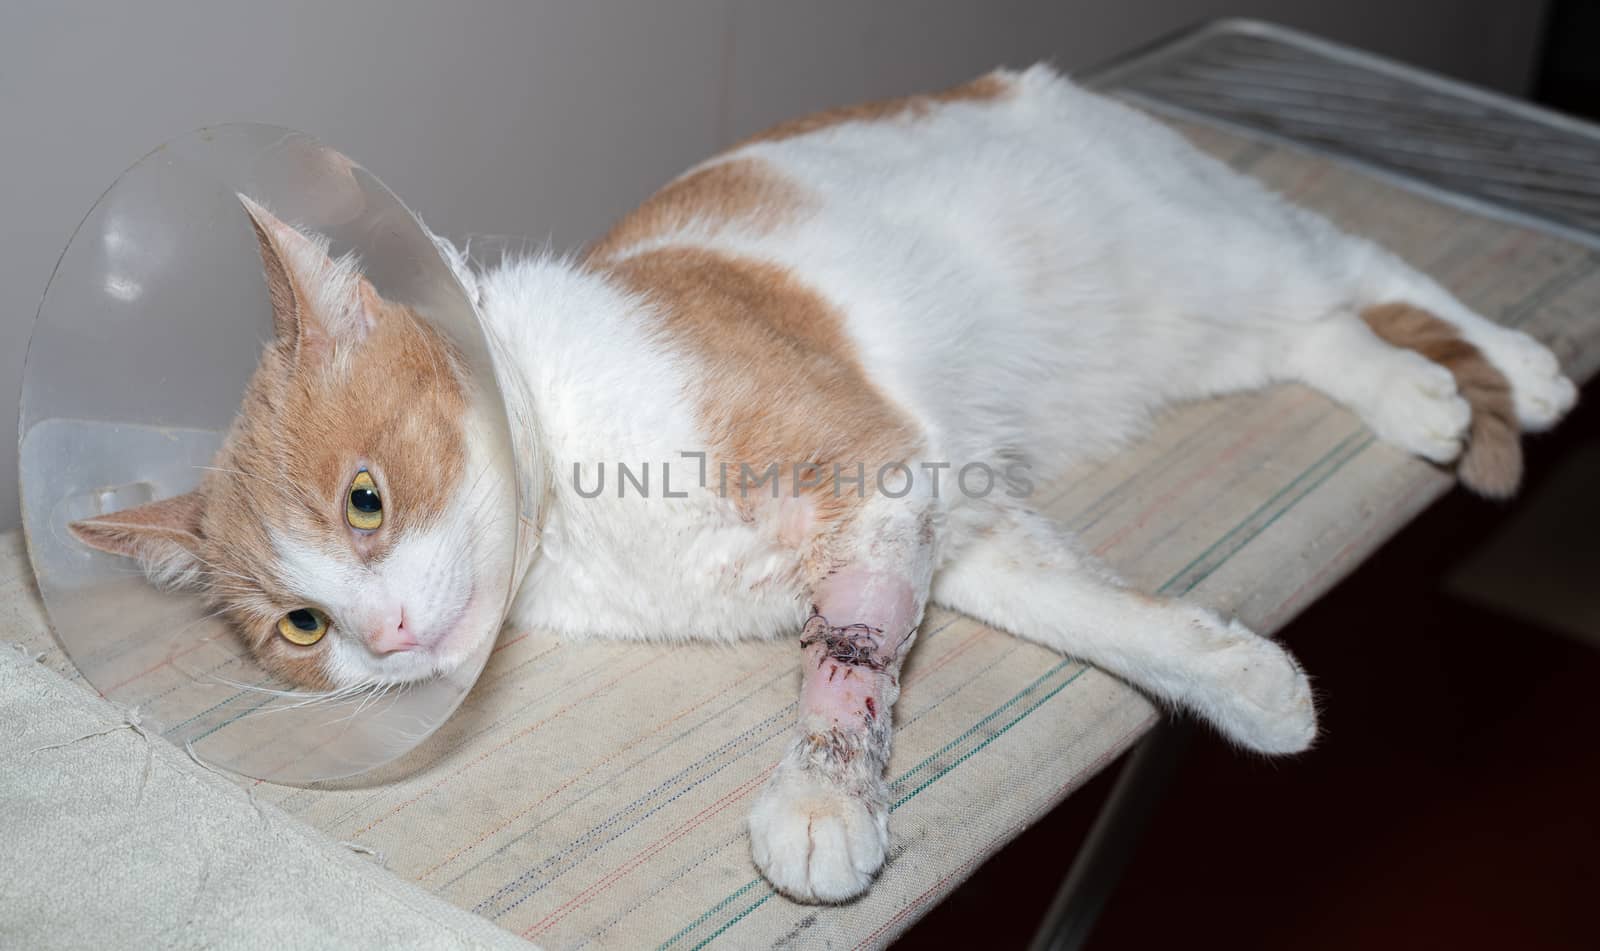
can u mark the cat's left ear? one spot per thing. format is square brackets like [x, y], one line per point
[163, 536]
[319, 304]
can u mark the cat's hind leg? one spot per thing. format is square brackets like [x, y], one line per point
[1024, 577]
[1314, 305]
[1540, 394]
[1420, 384]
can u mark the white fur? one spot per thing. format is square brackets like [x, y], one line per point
[605, 390]
[1029, 279]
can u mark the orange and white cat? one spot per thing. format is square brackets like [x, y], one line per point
[885, 322]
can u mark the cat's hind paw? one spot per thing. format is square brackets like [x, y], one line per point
[1420, 409]
[815, 842]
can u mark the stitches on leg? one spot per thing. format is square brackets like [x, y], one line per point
[853, 644]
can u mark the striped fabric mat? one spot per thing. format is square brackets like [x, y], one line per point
[594, 795]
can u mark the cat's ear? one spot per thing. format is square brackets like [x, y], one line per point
[164, 536]
[319, 304]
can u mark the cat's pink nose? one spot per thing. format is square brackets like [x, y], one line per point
[391, 634]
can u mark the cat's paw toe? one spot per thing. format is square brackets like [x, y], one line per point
[1421, 410]
[1539, 391]
[814, 842]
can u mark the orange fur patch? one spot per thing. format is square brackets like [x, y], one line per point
[1492, 462]
[745, 192]
[985, 88]
[782, 383]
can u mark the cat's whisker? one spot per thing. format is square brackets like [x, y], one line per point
[373, 694]
[277, 691]
[464, 551]
[360, 694]
[373, 698]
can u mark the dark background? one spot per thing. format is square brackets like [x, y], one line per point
[1569, 67]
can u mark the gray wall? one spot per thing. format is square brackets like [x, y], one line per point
[551, 118]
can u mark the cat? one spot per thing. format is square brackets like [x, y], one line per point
[1004, 279]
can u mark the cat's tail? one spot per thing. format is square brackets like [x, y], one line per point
[1491, 464]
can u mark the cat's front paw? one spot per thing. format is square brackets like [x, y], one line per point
[1541, 393]
[1255, 691]
[814, 841]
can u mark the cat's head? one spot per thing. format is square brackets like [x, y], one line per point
[352, 527]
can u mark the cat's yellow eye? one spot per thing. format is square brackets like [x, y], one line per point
[304, 626]
[363, 507]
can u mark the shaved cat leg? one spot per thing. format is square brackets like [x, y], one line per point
[821, 826]
[1025, 578]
